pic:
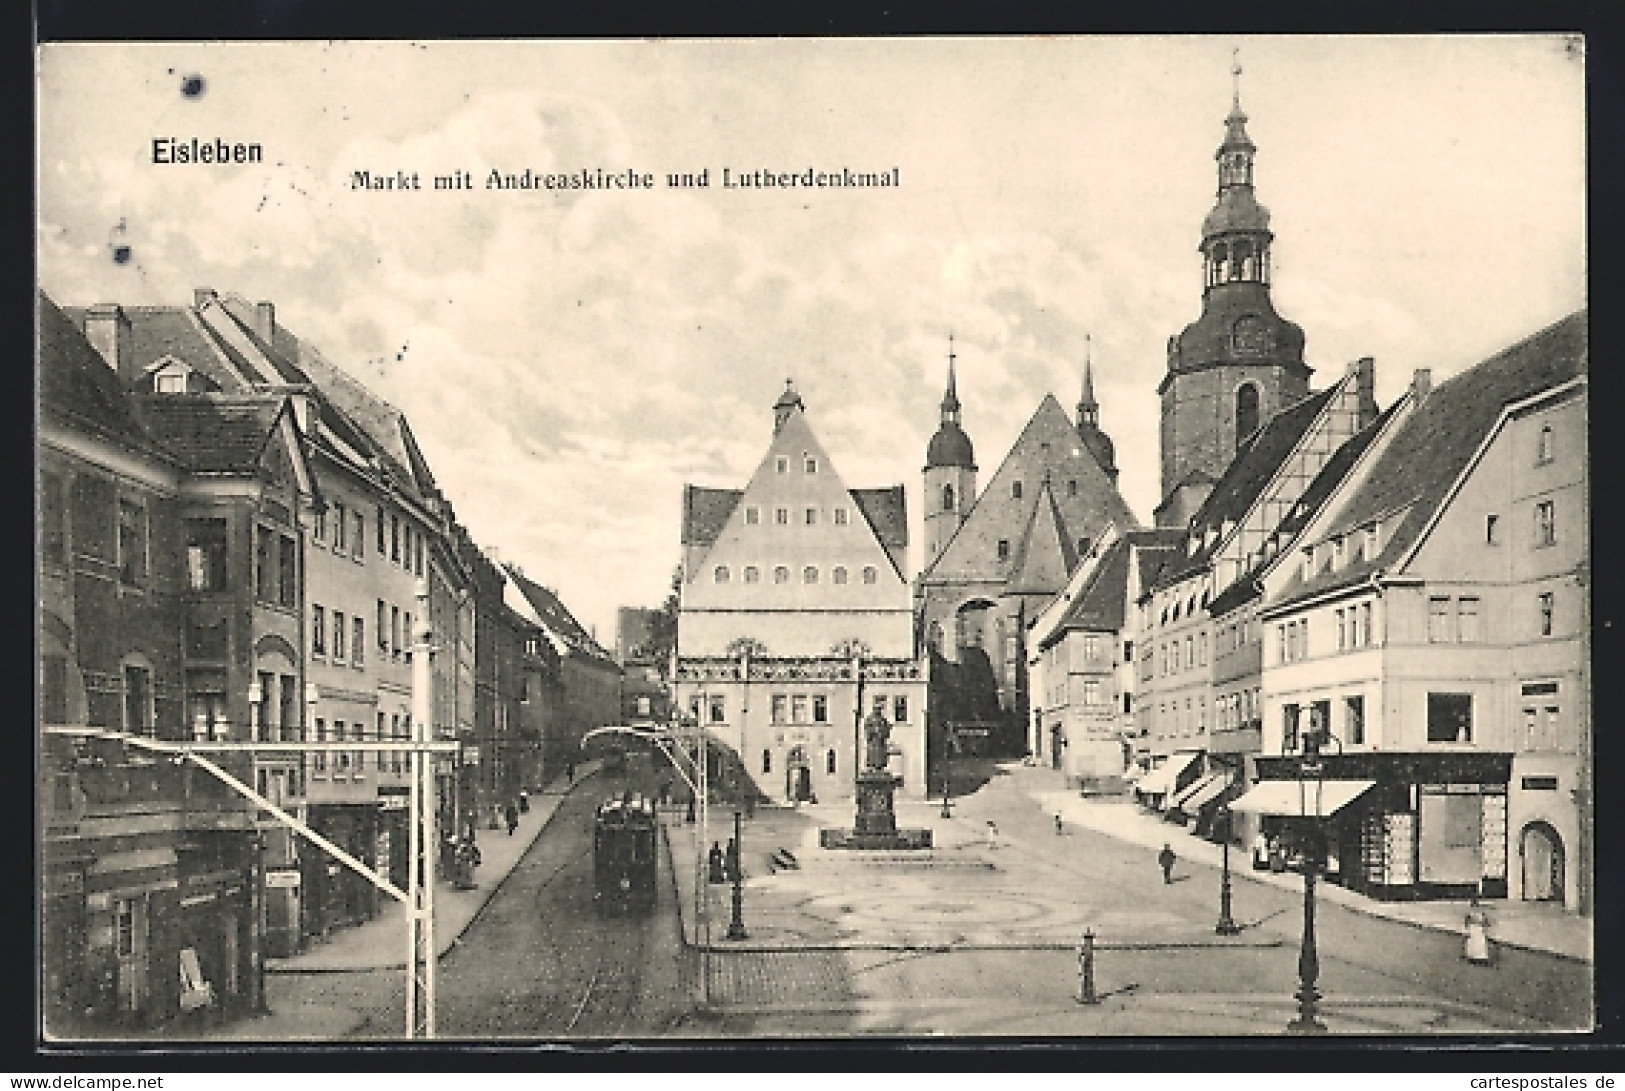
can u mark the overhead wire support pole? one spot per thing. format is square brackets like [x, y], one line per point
[424, 834]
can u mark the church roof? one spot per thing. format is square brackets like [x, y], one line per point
[706, 512]
[887, 512]
[950, 447]
[1236, 210]
[1435, 444]
[1045, 555]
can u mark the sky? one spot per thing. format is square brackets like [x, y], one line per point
[569, 359]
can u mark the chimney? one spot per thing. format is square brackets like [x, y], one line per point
[107, 328]
[1421, 383]
[200, 296]
[1365, 383]
[265, 320]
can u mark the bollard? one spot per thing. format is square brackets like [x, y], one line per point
[1086, 969]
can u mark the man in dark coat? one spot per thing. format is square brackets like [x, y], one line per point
[1165, 858]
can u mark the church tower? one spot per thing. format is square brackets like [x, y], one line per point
[1240, 362]
[950, 472]
[1099, 443]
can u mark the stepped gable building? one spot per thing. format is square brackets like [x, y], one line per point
[795, 619]
[1238, 364]
[995, 558]
[1433, 627]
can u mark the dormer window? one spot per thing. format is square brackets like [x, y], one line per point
[1373, 537]
[1339, 551]
[1308, 563]
[170, 382]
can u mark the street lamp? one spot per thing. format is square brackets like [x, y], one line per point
[736, 926]
[947, 768]
[1308, 996]
[1227, 925]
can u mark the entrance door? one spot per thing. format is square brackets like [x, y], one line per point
[803, 783]
[1542, 864]
[1057, 742]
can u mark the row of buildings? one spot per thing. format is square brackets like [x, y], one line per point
[1404, 587]
[240, 543]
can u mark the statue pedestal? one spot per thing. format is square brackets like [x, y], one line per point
[876, 823]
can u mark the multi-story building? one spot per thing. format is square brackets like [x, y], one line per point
[1432, 630]
[171, 576]
[795, 619]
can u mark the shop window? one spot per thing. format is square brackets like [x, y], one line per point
[206, 554]
[1450, 717]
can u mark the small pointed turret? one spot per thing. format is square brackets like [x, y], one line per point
[950, 446]
[1088, 408]
[788, 401]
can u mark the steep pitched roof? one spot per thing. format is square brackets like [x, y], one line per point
[1100, 604]
[887, 513]
[1434, 445]
[706, 512]
[1045, 554]
[213, 433]
[552, 615]
[76, 385]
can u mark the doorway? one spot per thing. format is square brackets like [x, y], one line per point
[1542, 851]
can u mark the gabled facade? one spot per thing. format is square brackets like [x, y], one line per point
[1432, 624]
[794, 608]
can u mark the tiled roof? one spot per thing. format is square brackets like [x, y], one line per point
[706, 512]
[887, 512]
[1252, 468]
[1434, 444]
[553, 616]
[76, 384]
[1045, 555]
[1099, 605]
[213, 433]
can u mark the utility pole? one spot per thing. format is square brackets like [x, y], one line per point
[424, 841]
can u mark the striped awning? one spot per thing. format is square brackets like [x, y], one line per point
[1200, 793]
[1301, 798]
[1162, 779]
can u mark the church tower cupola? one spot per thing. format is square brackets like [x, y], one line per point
[788, 402]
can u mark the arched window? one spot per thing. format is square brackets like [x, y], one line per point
[838, 574]
[1242, 267]
[781, 574]
[721, 574]
[1221, 261]
[869, 574]
[947, 498]
[809, 574]
[1246, 412]
[753, 574]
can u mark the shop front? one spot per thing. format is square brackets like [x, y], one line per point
[1401, 826]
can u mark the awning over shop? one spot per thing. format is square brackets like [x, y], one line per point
[1301, 799]
[1201, 793]
[1162, 779]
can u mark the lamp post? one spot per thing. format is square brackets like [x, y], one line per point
[1227, 925]
[947, 768]
[736, 926]
[1308, 996]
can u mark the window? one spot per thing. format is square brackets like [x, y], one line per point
[753, 515]
[340, 529]
[1083, 547]
[1362, 633]
[781, 704]
[829, 762]
[1545, 523]
[899, 710]
[1246, 411]
[287, 581]
[781, 574]
[318, 524]
[767, 761]
[1091, 691]
[1546, 603]
[869, 574]
[338, 637]
[820, 709]
[809, 574]
[838, 574]
[318, 760]
[721, 574]
[840, 517]
[1438, 620]
[812, 465]
[781, 464]
[132, 543]
[381, 545]
[1544, 449]
[1015, 490]
[342, 764]
[812, 517]
[394, 538]
[1492, 530]
[383, 758]
[408, 637]
[947, 498]
[1004, 549]
[781, 516]
[1450, 717]
[1467, 620]
[54, 689]
[358, 641]
[1280, 643]
[1072, 487]
[358, 538]
[1091, 645]
[394, 632]
[1342, 631]
[718, 709]
[798, 709]
[206, 554]
[318, 630]
[1289, 729]
[206, 705]
[753, 574]
[53, 519]
[383, 626]
[878, 705]
[138, 712]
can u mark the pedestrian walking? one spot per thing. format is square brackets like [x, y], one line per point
[511, 814]
[716, 868]
[1477, 947]
[992, 834]
[524, 801]
[1057, 825]
[570, 771]
[1166, 859]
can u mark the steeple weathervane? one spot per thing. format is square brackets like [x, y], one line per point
[1235, 74]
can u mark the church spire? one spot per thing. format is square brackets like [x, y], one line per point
[950, 399]
[1088, 408]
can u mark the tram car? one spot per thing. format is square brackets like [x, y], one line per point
[624, 854]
